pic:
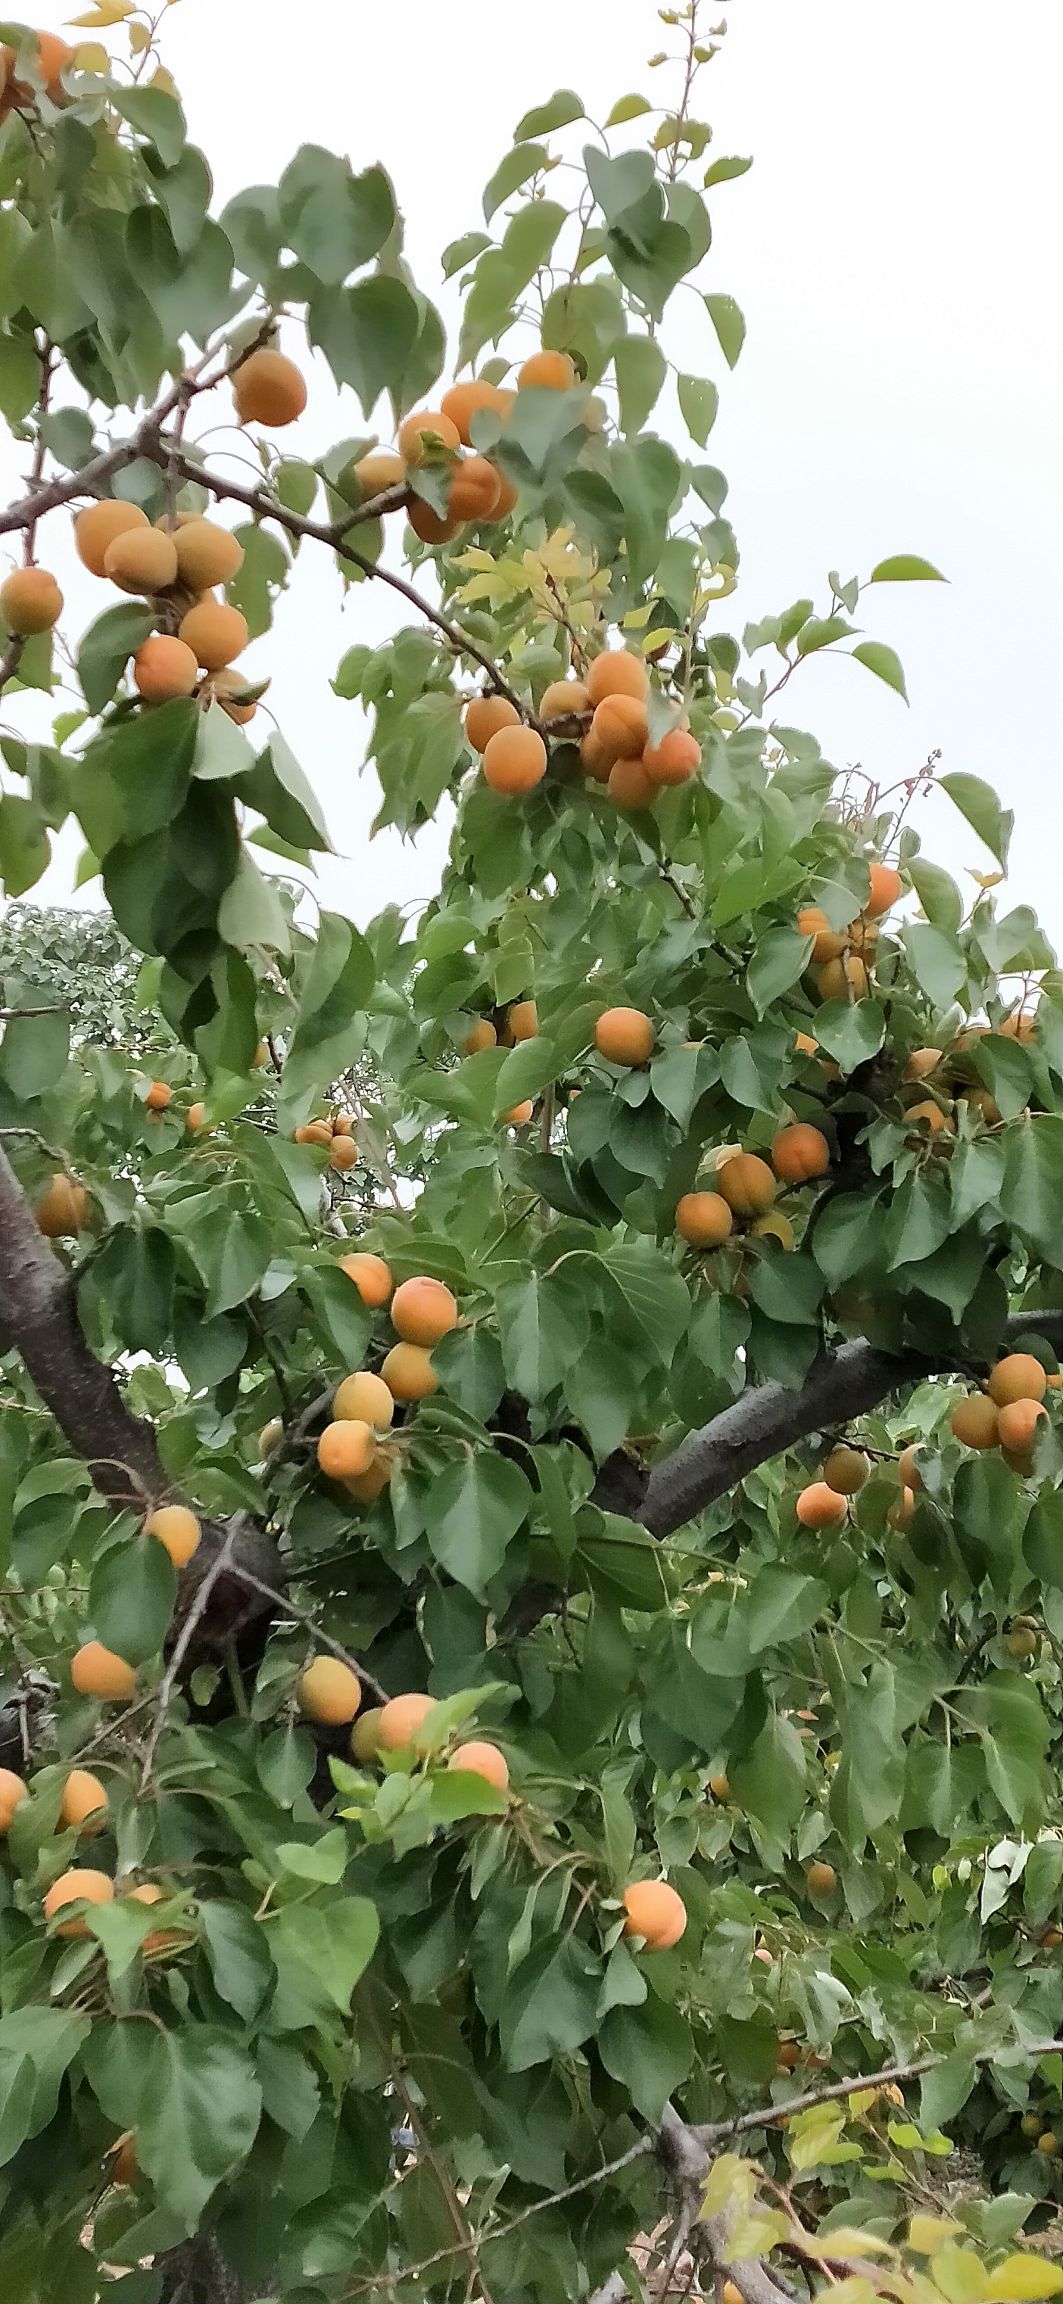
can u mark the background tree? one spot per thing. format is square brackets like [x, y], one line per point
[494, 1678]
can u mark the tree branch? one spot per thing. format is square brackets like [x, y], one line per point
[714, 2132]
[90, 477]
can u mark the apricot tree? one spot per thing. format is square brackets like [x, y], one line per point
[533, 1583]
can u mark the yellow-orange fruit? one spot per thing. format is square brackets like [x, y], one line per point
[563, 698]
[594, 757]
[423, 1311]
[933, 1118]
[12, 1793]
[549, 371]
[207, 555]
[230, 690]
[616, 673]
[774, 1226]
[177, 1530]
[97, 1671]
[97, 527]
[747, 1184]
[800, 1152]
[157, 1939]
[908, 1472]
[53, 57]
[461, 402]
[485, 716]
[846, 1471]
[164, 667]
[820, 1507]
[31, 601]
[829, 942]
[74, 1887]
[431, 526]
[328, 1692]
[365, 1399]
[480, 1759]
[720, 1787]
[843, 979]
[123, 2168]
[921, 1063]
[655, 1912]
[365, 1735]
[343, 1154]
[821, 1879]
[518, 1115]
[975, 1421]
[315, 1132]
[426, 435]
[788, 2056]
[382, 468]
[215, 633]
[63, 1209]
[371, 1277]
[84, 1802]
[508, 493]
[158, 1096]
[515, 761]
[675, 759]
[886, 889]
[141, 560]
[483, 1035]
[630, 787]
[367, 1486]
[620, 725]
[474, 490]
[344, 1449]
[900, 1513]
[523, 1020]
[1019, 1376]
[400, 1720]
[1022, 1026]
[703, 1219]
[408, 1372]
[983, 1103]
[625, 1036]
[805, 1045]
[342, 1123]
[268, 389]
[270, 1436]
[1019, 1424]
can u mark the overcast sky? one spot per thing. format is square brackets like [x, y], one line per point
[895, 249]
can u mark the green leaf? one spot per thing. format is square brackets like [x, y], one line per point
[543, 1326]
[25, 849]
[551, 2004]
[462, 252]
[905, 568]
[197, 2115]
[34, 1052]
[938, 964]
[328, 1034]
[628, 108]
[724, 170]
[821, 632]
[106, 648]
[333, 1942]
[478, 1506]
[771, 1782]
[37, 2045]
[979, 804]
[132, 1591]
[867, 1786]
[699, 403]
[335, 221]
[560, 109]
[650, 2050]
[1033, 1182]
[654, 1296]
[729, 323]
[884, 663]
[937, 893]
[640, 369]
[780, 957]
[852, 1031]
[20, 377]
[155, 115]
[514, 171]
[278, 789]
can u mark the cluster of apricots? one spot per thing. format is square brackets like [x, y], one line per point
[521, 1023]
[335, 1134]
[352, 1447]
[610, 704]
[1007, 1415]
[54, 57]
[746, 1188]
[84, 1808]
[944, 1071]
[176, 564]
[842, 957]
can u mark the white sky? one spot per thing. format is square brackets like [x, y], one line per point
[895, 251]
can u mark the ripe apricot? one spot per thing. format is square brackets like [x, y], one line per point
[97, 1671]
[655, 1912]
[515, 761]
[616, 673]
[720, 1787]
[343, 1154]
[423, 1311]
[346, 1448]
[12, 1793]
[164, 667]
[383, 468]
[427, 436]
[1020, 1643]
[523, 1020]
[788, 2056]
[800, 1152]
[1019, 1424]
[630, 787]
[63, 1209]
[846, 1470]
[461, 402]
[703, 1219]
[508, 493]
[974, 1420]
[367, 1486]
[480, 1759]
[485, 716]
[563, 698]
[518, 1115]
[400, 1720]
[620, 725]
[177, 1530]
[365, 1399]
[774, 1226]
[474, 490]
[268, 389]
[980, 1101]
[886, 889]
[141, 560]
[821, 1879]
[371, 1277]
[157, 1939]
[31, 601]
[431, 526]
[365, 1735]
[328, 1692]
[908, 1472]
[548, 371]
[820, 1507]
[158, 1096]
[829, 943]
[409, 1374]
[594, 757]
[1022, 1026]
[215, 633]
[1019, 1376]
[932, 1117]
[84, 1802]
[98, 526]
[230, 689]
[747, 1184]
[74, 1887]
[53, 57]
[844, 979]
[900, 1513]
[207, 555]
[805, 1045]
[482, 1035]
[921, 1063]
[675, 759]
[625, 1036]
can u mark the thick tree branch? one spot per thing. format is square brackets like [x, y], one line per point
[91, 477]
[715, 2132]
[768, 1418]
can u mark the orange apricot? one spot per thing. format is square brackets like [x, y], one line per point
[63, 1209]
[936, 1121]
[485, 716]
[655, 1912]
[1019, 1376]
[474, 490]
[367, 1486]
[620, 725]
[523, 1020]
[12, 1793]
[215, 633]
[141, 560]
[843, 979]
[383, 468]
[563, 698]
[53, 58]
[704, 1219]
[747, 1184]
[97, 527]
[84, 1802]
[820, 1507]
[400, 1720]
[365, 1735]
[432, 527]
[97, 1671]
[829, 943]
[900, 1513]
[423, 1311]
[343, 1154]
[518, 1115]
[508, 493]
[821, 1879]
[846, 1470]
[164, 667]
[31, 601]
[346, 1448]
[461, 402]
[805, 1045]
[207, 555]
[268, 389]
[365, 1399]
[77, 1886]
[886, 889]
[720, 1787]
[908, 1472]
[1021, 1026]
[515, 761]
[480, 1759]
[675, 759]
[625, 1036]
[1019, 1423]
[408, 1373]
[975, 1421]
[177, 1530]
[123, 2168]
[158, 1096]
[231, 690]
[548, 371]
[616, 673]
[594, 757]
[921, 1063]
[371, 1277]
[482, 1035]
[427, 436]
[628, 784]
[799, 1153]
[328, 1692]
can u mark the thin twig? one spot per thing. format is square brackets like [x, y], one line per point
[303, 1616]
[714, 2132]
[222, 1562]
